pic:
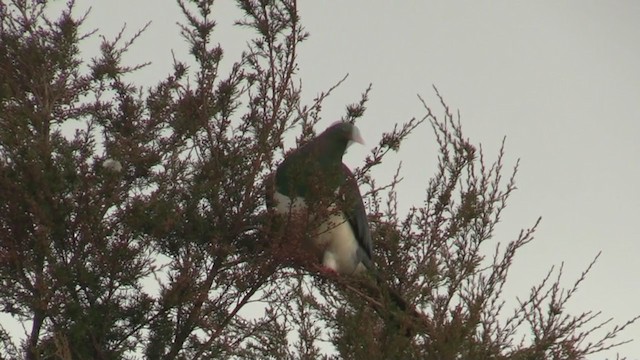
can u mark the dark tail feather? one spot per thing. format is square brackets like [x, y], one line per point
[392, 307]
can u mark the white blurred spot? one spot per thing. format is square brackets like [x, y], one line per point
[113, 165]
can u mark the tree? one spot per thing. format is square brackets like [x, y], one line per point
[166, 185]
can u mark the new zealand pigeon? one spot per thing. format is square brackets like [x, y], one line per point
[312, 182]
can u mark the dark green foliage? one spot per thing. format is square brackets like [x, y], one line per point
[67, 263]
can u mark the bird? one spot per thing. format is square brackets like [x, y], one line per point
[313, 181]
[314, 184]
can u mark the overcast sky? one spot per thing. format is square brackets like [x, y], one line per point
[561, 80]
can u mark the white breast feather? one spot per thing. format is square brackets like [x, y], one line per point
[334, 239]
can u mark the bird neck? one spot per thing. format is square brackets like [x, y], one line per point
[333, 154]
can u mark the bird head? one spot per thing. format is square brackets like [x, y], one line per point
[344, 131]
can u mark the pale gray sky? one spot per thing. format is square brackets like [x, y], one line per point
[560, 79]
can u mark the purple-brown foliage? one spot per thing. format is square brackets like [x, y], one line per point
[185, 210]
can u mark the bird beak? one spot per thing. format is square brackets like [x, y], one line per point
[355, 136]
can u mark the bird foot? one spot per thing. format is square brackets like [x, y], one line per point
[327, 271]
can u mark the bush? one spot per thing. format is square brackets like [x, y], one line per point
[166, 187]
